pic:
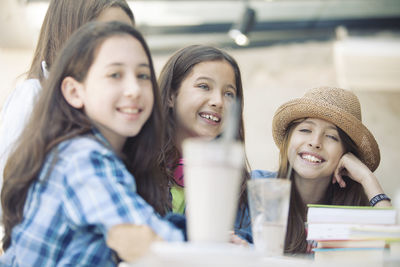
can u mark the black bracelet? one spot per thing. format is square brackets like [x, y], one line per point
[378, 198]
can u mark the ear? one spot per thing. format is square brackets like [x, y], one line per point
[73, 92]
[171, 101]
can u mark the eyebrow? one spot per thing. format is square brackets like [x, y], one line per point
[121, 64]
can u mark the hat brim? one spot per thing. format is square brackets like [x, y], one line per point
[353, 127]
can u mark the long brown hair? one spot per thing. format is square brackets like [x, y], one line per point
[352, 194]
[62, 18]
[174, 72]
[54, 120]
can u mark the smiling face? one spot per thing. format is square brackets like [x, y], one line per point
[117, 94]
[315, 149]
[202, 99]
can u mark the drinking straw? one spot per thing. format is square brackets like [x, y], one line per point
[231, 123]
[289, 172]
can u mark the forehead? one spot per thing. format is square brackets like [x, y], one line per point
[122, 48]
[216, 69]
[318, 123]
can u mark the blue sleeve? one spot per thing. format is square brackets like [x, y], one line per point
[179, 221]
[101, 192]
[257, 174]
[243, 225]
[243, 219]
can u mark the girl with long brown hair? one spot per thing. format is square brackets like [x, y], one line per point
[85, 169]
[63, 17]
[198, 84]
[332, 153]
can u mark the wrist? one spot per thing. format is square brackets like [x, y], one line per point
[368, 179]
[378, 198]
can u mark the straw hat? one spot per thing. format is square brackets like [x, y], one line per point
[338, 106]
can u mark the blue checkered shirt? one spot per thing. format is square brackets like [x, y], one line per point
[73, 204]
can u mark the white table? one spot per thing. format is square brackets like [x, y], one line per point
[189, 254]
[229, 255]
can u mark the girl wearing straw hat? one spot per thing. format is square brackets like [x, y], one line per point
[333, 156]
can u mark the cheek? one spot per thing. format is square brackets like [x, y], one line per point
[337, 153]
[185, 107]
[291, 153]
[294, 143]
[179, 110]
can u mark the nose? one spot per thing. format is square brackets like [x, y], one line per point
[132, 88]
[216, 99]
[315, 141]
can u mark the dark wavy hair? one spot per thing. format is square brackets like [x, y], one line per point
[174, 72]
[352, 194]
[54, 120]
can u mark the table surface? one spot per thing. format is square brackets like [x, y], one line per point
[193, 255]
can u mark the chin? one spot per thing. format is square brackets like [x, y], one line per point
[208, 135]
[307, 175]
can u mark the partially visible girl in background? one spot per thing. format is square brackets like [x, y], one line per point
[71, 187]
[198, 84]
[63, 17]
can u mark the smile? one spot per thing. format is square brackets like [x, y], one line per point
[311, 158]
[129, 110]
[210, 117]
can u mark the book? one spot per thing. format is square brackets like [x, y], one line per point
[352, 231]
[350, 214]
[395, 250]
[379, 232]
[352, 244]
[337, 231]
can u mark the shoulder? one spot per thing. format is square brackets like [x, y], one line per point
[15, 113]
[83, 144]
[27, 89]
[22, 97]
[85, 156]
[83, 148]
[256, 174]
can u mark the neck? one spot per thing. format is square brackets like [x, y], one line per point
[312, 191]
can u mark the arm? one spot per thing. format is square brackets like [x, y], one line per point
[102, 193]
[352, 167]
[131, 241]
[14, 116]
[237, 240]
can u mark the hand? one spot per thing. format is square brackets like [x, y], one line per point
[235, 239]
[352, 167]
[349, 165]
[130, 241]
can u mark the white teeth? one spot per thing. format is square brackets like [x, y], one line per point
[130, 110]
[311, 158]
[210, 117]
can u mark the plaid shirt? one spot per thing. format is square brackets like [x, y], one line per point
[73, 204]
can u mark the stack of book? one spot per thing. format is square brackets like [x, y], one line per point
[352, 233]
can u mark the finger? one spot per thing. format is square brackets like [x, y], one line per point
[337, 175]
[238, 241]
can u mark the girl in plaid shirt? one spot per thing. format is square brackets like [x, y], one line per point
[79, 184]
[62, 18]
